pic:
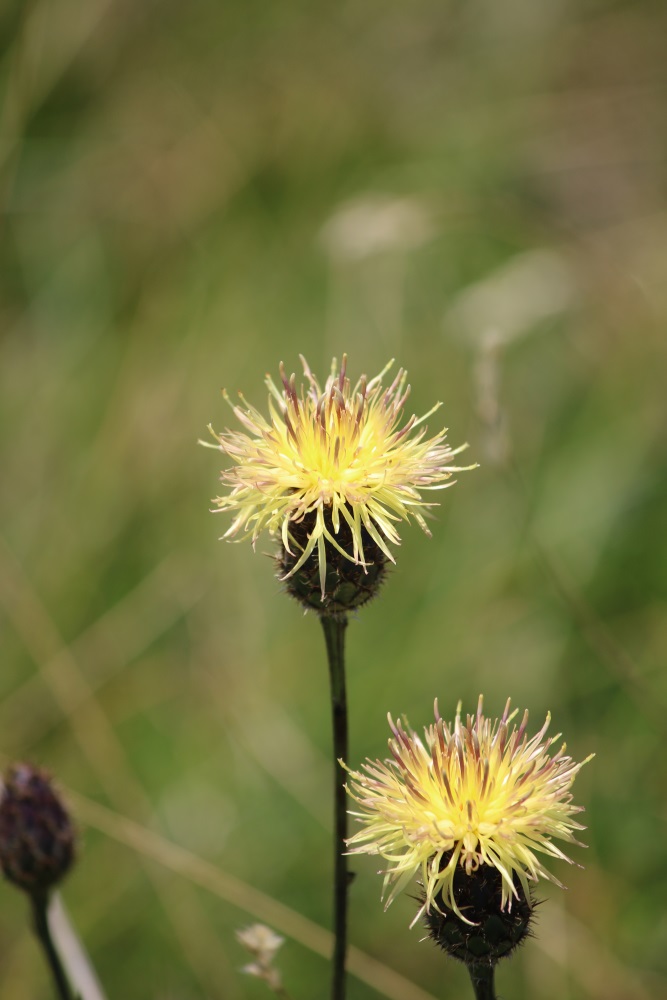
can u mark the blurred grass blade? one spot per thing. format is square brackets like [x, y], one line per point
[79, 968]
[233, 890]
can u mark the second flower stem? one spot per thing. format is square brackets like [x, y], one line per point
[40, 914]
[334, 634]
[482, 977]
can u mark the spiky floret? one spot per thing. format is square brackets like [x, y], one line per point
[470, 794]
[338, 453]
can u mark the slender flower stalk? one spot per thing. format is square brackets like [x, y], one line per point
[334, 634]
[482, 978]
[330, 473]
[40, 916]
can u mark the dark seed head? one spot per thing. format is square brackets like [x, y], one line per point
[494, 933]
[37, 839]
[347, 585]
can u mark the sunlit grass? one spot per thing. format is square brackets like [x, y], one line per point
[165, 179]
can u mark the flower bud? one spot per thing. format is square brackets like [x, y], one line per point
[37, 839]
[348, 584]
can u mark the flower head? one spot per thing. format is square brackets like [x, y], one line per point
[471, 794]
[331, 458]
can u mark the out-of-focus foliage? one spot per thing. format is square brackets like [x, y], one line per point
[193, 192]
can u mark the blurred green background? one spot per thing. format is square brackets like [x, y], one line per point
[192, 193]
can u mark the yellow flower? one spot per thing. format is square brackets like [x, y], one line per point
[335, 456]
[479, 793]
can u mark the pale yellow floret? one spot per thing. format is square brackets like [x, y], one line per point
[481, 793]
[338, 453]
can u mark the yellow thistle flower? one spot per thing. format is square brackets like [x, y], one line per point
[479, 793]
[335, 454]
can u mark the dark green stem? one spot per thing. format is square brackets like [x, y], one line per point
[40, 914]
[481, 977]
[334, 634]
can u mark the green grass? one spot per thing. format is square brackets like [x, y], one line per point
[166, 173]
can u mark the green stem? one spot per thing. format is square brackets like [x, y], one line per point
[334, 634]
[40, 914]
[481, 977]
